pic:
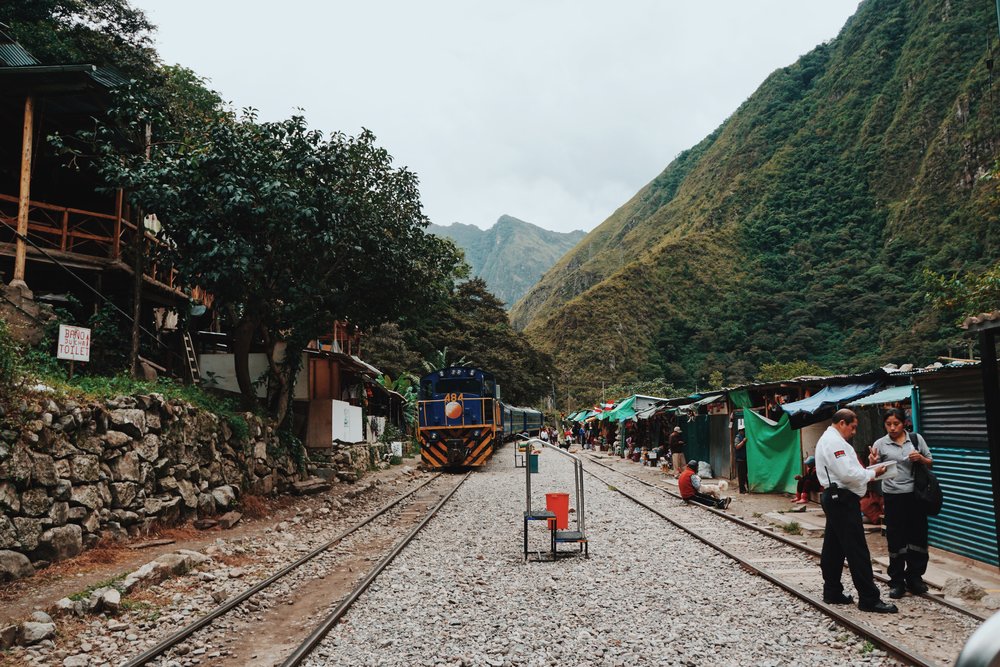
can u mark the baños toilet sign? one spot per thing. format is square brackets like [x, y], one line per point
[74, 343]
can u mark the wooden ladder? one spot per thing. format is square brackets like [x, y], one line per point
[192, 358]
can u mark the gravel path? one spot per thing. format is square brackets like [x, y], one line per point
[648, 595]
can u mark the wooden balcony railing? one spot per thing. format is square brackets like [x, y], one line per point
[87, 233]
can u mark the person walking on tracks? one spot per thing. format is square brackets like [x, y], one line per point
[905, 519]
[844, 537]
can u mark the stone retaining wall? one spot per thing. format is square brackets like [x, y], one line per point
[73, 473]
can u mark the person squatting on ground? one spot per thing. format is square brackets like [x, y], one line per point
[844, 537]
[692, 490]
[740, 445]
[905, 518]
[676, 443]
[808, 482]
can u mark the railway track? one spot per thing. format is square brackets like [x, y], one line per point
[928, 631]
[404, 515]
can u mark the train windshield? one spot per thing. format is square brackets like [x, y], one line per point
[470, 386]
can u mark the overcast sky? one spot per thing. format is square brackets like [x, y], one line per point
[552, 111]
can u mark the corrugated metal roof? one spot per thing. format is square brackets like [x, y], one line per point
[890, 395]
[13, 54]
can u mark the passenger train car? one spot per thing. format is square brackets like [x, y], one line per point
[462, 420]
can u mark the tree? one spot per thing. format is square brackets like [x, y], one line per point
[473, 326]
[287, 228]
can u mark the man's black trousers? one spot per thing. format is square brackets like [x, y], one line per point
[845, 538]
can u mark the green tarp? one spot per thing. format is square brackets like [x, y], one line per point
[774, 455]
[695, 434]
[622, 411]
[740, 398]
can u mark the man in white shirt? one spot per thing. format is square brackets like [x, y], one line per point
[846, 480]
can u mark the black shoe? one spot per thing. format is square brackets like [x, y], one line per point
[838, 599]
[917, 587]
[879, 608]
[897, 591]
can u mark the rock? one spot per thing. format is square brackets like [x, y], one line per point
[149, 447]
[28, 532]
[16, 466]
[126, 468]
[310, 486]
[92, 523]
[8, 533]
[114, 440]
[229, 519]
[86, 496]
[44, 470]
[206, 504]
[131, 422]
[32, 633]
[153, 420]
[62, 542]
[9, 501]
[8, 635]
[123, 494]
[991, 602]
[59, 513]
[65, 607]
[150, 573]
[205, 524]
[966, 589]
[85, 468]
[63, 490]
[35, 502]
[175, 563]
[196, 557]
[188, 494]
[14, 565]
[105, 600]
[40, 617]
[224, 496]
[79, 660]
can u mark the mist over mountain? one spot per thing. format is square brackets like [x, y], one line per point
[510, 256]
[801, 228]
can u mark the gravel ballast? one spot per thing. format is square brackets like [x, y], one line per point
[460, 594]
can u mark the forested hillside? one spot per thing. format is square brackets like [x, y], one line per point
[803, 228]
[511, 255]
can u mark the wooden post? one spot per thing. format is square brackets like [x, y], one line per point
[116, 245]
[24, 200]
[138, 266]
[65, 231]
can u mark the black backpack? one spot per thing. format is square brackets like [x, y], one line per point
[926, 487]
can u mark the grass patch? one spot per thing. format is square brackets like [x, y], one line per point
[867, 647]
[792, 528]
[85, 593]
[757, 515]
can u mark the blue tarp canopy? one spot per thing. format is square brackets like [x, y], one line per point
[828, 397]
[890, 395]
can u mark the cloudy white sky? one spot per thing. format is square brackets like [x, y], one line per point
[553, 111]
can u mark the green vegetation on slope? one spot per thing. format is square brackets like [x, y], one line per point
[801, 229]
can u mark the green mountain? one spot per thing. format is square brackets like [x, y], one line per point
[511, 255]
[800, 229]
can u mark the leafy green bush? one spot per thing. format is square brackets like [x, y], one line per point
[10, 357]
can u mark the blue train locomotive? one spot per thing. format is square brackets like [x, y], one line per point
[462, 420]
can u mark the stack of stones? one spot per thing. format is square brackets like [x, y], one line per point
[72, 474]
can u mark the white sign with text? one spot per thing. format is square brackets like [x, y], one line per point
[74, 343]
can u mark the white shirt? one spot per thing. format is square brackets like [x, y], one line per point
[836, 462]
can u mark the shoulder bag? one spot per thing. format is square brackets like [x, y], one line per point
[927, 489]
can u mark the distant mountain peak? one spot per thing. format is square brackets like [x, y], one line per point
[511, 255]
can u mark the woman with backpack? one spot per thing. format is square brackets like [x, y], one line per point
[905, 516]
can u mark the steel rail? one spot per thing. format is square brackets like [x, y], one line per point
[865, 631]
[227, 606]
[790, 542]
[317, 635]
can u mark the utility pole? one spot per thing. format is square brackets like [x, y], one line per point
[139, 248]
